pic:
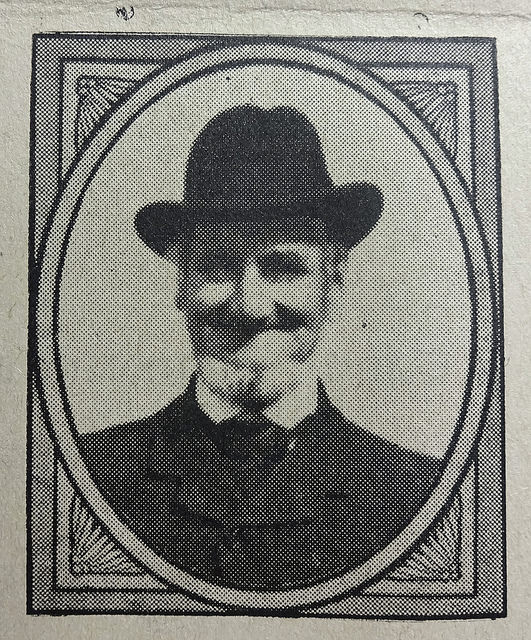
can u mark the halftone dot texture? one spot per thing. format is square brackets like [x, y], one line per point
[397, 345]
[393, 360]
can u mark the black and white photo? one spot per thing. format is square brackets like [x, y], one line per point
[265, 330]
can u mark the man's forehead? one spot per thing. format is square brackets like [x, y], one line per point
[214, 234]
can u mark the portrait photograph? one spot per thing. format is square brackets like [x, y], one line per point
[265, 327]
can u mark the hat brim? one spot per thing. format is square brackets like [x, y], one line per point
[348, 212]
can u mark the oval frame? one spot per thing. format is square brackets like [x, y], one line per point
[483, 330]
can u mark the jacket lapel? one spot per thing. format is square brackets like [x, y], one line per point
[302, 488]
[311, 482]
[181, 455]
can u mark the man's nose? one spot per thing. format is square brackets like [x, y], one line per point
[253, 293]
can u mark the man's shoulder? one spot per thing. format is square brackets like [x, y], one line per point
[359, 449]
[134, 436]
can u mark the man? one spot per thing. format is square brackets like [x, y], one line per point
[252, 478]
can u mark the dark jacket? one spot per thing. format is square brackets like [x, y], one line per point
[340, 495]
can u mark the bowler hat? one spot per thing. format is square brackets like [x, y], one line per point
[253, 164]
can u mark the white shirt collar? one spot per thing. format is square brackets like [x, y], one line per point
[288, 411]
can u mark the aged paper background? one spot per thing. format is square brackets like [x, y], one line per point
[508, 21]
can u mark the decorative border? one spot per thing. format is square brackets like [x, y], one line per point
[478, 387]
[92, 551]
[436, 102]
[438, 557]
[96, 95]
[331, 42]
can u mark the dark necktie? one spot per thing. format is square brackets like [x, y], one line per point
[253, 439]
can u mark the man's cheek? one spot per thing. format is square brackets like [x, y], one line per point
[211, 294]
[303, 294]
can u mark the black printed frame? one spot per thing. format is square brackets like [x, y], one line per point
[467, 538]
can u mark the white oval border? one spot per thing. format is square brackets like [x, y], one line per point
[68, 205]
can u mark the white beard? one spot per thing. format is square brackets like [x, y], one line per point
[268, 366]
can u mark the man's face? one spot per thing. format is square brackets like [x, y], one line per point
[255, 297]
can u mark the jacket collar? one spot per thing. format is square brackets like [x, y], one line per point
[182, 454]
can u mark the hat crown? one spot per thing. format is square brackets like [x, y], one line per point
[250, 164]
[250, 157]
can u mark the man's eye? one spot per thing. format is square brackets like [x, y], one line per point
[217, 268]
[280, 266]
